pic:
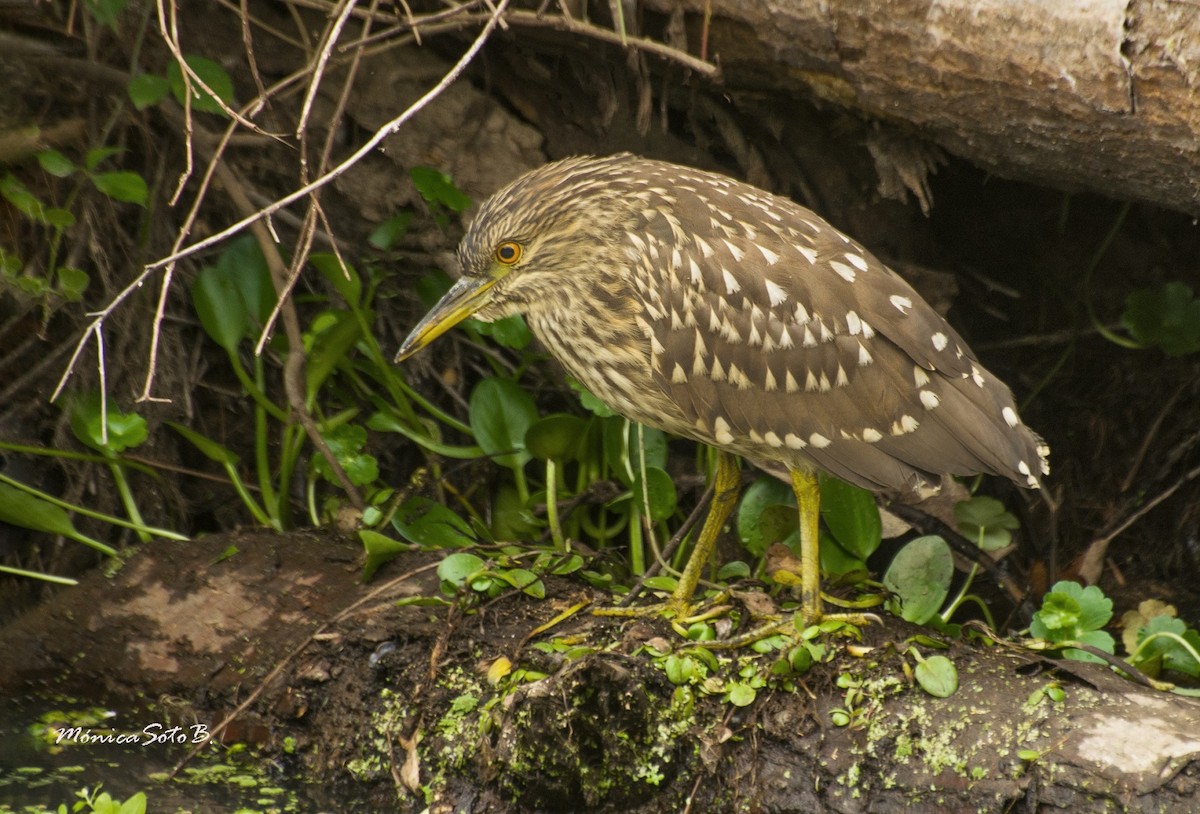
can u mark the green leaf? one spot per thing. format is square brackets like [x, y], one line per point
[59, 218]
[458, 568]
[134, 805]
[512, 519]
[523, 580]
[984, 521]
[511, 331]
[344, 279]
[212, 74]
[23, 509]
[346, 442]
[25, 202]
[329, 346]
[740, 695]
[1173, 654]
[234, 298]
[835, 560]
[388, 233]
[851, 516]
[1168, 318]
[56, 164]
[766, 514]
[210, 448]
[380, 549]
[219, 306]
[659, 489]
[431, 525]
[93, 157]
[556, 436]
[589, 402]
[500, 413]
[71, 283]
[938, 676]
[627, 444]
[106, 12]
[437, 188]
[920, 577]
[124, 430]
[1071, 612]
[147, 89]
[128, 187]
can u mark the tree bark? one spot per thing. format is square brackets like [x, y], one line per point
[1094, 95]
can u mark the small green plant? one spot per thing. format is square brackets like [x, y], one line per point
[47, 278]
[1072, 614]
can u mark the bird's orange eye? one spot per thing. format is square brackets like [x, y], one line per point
[508, 253]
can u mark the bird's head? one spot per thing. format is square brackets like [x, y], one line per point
[534, 244]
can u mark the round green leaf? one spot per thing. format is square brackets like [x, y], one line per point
[937, 676]
[741, 695]
[920, 577]
[459, 567]
[766, 514]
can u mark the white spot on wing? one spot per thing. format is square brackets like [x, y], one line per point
[930, 399]
[790, 384]
[678, 375]
[722, 433]
[737, 253]
[901, 303]
[771, 257]
[1010, 416]
[819, 441]
[853, 323]
[871, 435]
[731, 284]
[794, 441]
[939, 341]
[843, 271]
[857, 261]
[809, 254]
[776, 293]
[920, 377]
[864, 355]
[773, 439]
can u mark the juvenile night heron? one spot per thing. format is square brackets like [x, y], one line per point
[716, 311]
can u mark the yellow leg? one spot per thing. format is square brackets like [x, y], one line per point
[808, 498]
[726, 485]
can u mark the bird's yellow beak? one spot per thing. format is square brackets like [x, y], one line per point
[463, 299]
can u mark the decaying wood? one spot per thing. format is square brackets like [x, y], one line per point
[605, 731]
[1095, 95]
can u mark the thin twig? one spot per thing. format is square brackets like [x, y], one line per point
[265, 212]
[382, 133]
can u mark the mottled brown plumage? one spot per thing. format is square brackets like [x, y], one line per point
[714, 310]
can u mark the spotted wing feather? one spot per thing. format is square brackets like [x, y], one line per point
[777, 336]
